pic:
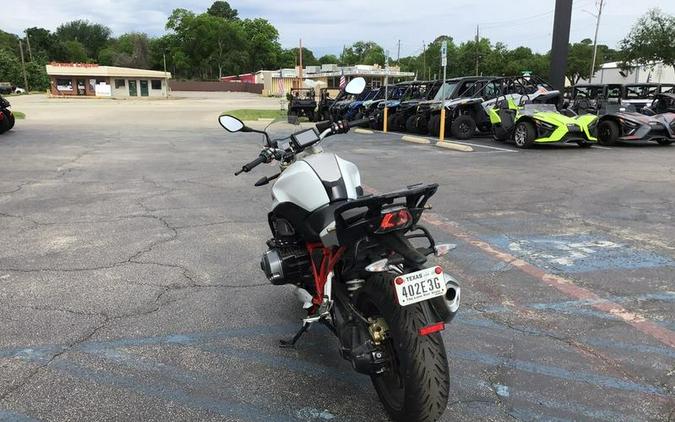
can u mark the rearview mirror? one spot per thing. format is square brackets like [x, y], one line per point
[356, 86]
[231, 124]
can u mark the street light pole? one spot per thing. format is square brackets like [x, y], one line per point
[595, 42]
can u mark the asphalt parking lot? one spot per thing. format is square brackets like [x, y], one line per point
[130, 286]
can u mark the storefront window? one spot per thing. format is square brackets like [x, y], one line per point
[120, 83]
[156, 84]
[64, 84]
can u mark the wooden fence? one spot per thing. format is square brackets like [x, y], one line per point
[213, 86]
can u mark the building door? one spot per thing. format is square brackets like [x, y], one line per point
[132, 88]
[144, 88]
[81, 88]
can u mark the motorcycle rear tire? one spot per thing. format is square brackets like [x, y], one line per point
[421, 361]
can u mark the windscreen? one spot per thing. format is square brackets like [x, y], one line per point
[637, 92]
[538, 108]
[445, 91]
[590, 92]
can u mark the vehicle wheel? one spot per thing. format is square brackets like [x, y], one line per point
[391, 123]
[497, 137]
[583, 144]
[411, 124]
[664, 141]
[434, 125]
[416, 387]
[524, 134]
[608, 132]
[4, 124]
[463, 127]
[421, 125]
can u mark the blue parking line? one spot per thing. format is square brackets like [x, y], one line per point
[560, 373]
[174, 394]
[10, 416]
[576, 253]
[476, 320]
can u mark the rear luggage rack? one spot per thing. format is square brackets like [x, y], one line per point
[357, 218]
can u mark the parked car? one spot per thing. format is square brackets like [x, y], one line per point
[394, 96]
[6, 88]
[468, 113]
[18, 90]
[531, 123]
[641, 95]
[621, 122]
[585, 98]
[352, 111]
[302, 102]
[7, 118]
[325, 102]
[427, 110]
[418, 91]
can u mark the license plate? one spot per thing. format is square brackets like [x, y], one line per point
[420, 285]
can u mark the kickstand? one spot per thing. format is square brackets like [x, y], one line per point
[289, 344]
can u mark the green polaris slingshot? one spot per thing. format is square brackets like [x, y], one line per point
[529, 123]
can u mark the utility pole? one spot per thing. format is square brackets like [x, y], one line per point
[477, 50]
[424, 60]
[23, 67]
[342, 56]
[595, 42]
[300, 70]
[30, 53]
[166, 77]
[398, 54]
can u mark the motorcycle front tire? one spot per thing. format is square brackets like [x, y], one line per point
[421, 362]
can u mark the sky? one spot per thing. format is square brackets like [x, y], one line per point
[326, 25]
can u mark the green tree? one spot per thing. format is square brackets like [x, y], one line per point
[650, 40]
[579, 60]
[92, 36]
[361, 51]
[10, 67]
[223, 10]
[9, 42]
[262, 47]
[75, 51]
[129, 50]
[328, 59]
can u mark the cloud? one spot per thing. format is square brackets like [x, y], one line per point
[326, 25]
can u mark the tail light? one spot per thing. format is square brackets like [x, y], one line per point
[433, 328]
[394, 220]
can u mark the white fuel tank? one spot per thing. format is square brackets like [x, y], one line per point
[317, 180]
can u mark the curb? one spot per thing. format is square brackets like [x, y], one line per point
[454, 146]
[363, 131]
[415, 139]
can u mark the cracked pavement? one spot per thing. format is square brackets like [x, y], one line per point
[130, 287]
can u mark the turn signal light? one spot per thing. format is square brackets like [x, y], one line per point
[395, 220]
[433, 328]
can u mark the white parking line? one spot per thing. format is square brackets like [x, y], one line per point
[485, 146]
[599, 147]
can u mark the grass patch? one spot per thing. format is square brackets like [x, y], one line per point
[253, 114]
[19, 115]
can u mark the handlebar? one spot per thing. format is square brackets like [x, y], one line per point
[359, 122]
[248, 167]
[268, 153]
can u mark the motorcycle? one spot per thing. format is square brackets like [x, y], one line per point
[359, 264]
[7, 118]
